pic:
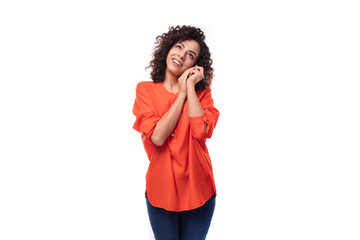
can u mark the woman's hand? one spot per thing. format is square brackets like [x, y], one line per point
[196, 75]
[183, 81]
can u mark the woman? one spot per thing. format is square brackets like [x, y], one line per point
[175, 115]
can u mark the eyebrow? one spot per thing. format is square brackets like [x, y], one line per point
[189, 50]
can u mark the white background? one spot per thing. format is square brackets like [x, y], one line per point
[285, 151]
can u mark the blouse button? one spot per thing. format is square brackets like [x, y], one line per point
[173, 134]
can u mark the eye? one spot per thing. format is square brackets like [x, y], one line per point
[191, 56]
[178, 46]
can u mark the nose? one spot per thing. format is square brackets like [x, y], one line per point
[182, 55]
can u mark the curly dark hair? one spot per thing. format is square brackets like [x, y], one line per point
[167, 40]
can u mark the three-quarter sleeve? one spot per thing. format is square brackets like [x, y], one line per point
[146, 115]
[209, 117]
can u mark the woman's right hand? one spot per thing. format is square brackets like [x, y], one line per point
[182, 81]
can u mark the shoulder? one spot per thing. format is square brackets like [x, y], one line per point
[148, 89]
[143, 84]
[146, 85]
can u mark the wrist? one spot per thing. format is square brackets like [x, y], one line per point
[190, 85]
[182, 96]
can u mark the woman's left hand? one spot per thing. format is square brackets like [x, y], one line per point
[196, 75]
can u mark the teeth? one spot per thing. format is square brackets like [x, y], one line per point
[176, 62]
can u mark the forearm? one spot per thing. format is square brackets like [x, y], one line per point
[168, 122]
[194, 106]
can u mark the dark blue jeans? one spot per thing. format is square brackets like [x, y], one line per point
[186, 225]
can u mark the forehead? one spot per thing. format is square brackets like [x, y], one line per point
[191, 45]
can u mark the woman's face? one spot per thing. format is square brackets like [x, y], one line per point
[182, 56]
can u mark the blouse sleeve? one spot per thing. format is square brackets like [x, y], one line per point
[146, 115]
[210, 117]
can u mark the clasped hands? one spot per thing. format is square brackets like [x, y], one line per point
[190, 77]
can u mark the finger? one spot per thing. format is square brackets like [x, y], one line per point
[197, 72]
[189, 73]
[190, 70]
[186, 73]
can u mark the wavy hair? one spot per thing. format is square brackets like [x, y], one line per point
[167, 40]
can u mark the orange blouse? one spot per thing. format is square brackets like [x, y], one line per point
[180, 175]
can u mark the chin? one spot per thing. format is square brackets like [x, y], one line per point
[175, 72]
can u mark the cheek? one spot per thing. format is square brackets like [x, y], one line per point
[172, 51]
[189, 63]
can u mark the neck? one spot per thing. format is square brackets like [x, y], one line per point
[171, 82]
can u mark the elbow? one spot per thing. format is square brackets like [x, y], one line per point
[202, 132]
[199, 136]
[157, 141]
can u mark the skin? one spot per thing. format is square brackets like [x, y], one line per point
[180, 79]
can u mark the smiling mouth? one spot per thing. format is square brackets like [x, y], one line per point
[177, 62]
